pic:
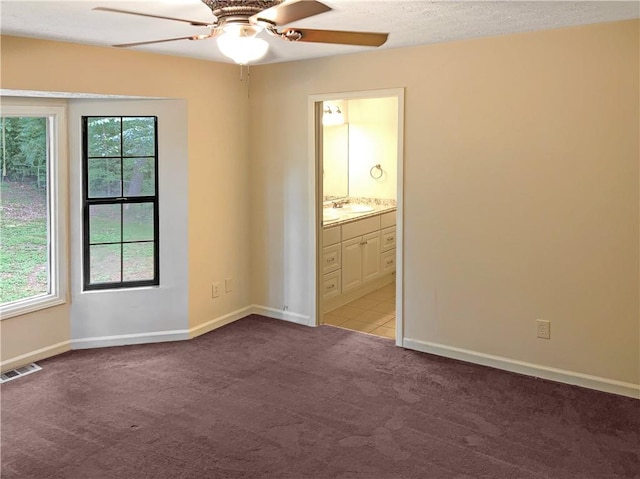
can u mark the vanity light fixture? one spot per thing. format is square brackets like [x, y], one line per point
[239, 42]
[332, 116]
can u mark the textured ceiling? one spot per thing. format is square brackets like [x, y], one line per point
[407, 22]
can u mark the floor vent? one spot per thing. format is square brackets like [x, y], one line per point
[19, 372]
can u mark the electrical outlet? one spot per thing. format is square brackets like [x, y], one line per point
[544, 328]
[228, 285]
[215, 290]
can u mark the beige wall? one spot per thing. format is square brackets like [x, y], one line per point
[40, 335]
[218, 198]
[520, 192]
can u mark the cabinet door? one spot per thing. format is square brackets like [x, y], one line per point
[351, 264]
[370, 256]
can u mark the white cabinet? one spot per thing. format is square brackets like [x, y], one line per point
[360, 260]
[331, 262]
[388, 250]
[361, 227]
[331, 235]
[388, 238]
[370, 257]
[351, 264]
[388, 262]
[356, 254]
[331, 285]
[331, 258]
[387, 219]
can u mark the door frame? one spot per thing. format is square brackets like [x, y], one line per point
[314, 109]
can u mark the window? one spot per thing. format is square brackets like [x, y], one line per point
[33, 208]
[120, 202]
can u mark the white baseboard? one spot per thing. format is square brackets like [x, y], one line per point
[36, 355]
[528, 369]
[124, 339]
[284, 315]
[220, 321]
[127, 339]
[161, 336]
[151, 337]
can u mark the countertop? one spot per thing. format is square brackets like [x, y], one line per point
[351, 217]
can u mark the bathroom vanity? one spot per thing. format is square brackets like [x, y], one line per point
[358, 255]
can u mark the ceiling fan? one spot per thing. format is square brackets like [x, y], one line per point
[238, 23]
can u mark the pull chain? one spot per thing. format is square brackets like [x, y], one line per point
[248, 77]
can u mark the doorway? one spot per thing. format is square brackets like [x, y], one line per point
[358, 163]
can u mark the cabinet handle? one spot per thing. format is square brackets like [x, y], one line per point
[364, 243]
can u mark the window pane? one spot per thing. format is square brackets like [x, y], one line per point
[105, 263]
[24, 256]
[137, 261]
[138, 222]
[104, 224]
[139, 136]
[105, 178]
[121, 158]
[103, 136]
[139, 176]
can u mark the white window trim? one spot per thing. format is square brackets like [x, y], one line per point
[57, 219]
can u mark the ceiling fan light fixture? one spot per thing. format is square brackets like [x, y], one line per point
[239, 42]
[236, 24]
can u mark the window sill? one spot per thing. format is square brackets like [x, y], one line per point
[18, 308]
[124, 290]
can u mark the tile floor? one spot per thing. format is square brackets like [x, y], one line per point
[374, 313]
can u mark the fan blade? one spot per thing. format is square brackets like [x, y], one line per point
[135, 44]
[367, 39]
[116, 10]
[290, 12]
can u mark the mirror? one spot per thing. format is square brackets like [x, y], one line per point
[335, 156]
[358, 135]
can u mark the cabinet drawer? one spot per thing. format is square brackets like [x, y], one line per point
[388, 236]
[330, 235]
[388, 262]
[387, 219]
[331, 285]
[331, 260]
[360, 227]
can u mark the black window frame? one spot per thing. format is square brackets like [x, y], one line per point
[120, 200]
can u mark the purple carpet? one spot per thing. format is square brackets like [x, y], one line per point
[262, 398]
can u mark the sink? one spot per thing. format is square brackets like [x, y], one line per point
[329, 217]
[354, 209]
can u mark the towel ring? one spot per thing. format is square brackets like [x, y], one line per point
[373, 168]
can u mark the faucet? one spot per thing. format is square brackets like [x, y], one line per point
[340, 203]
